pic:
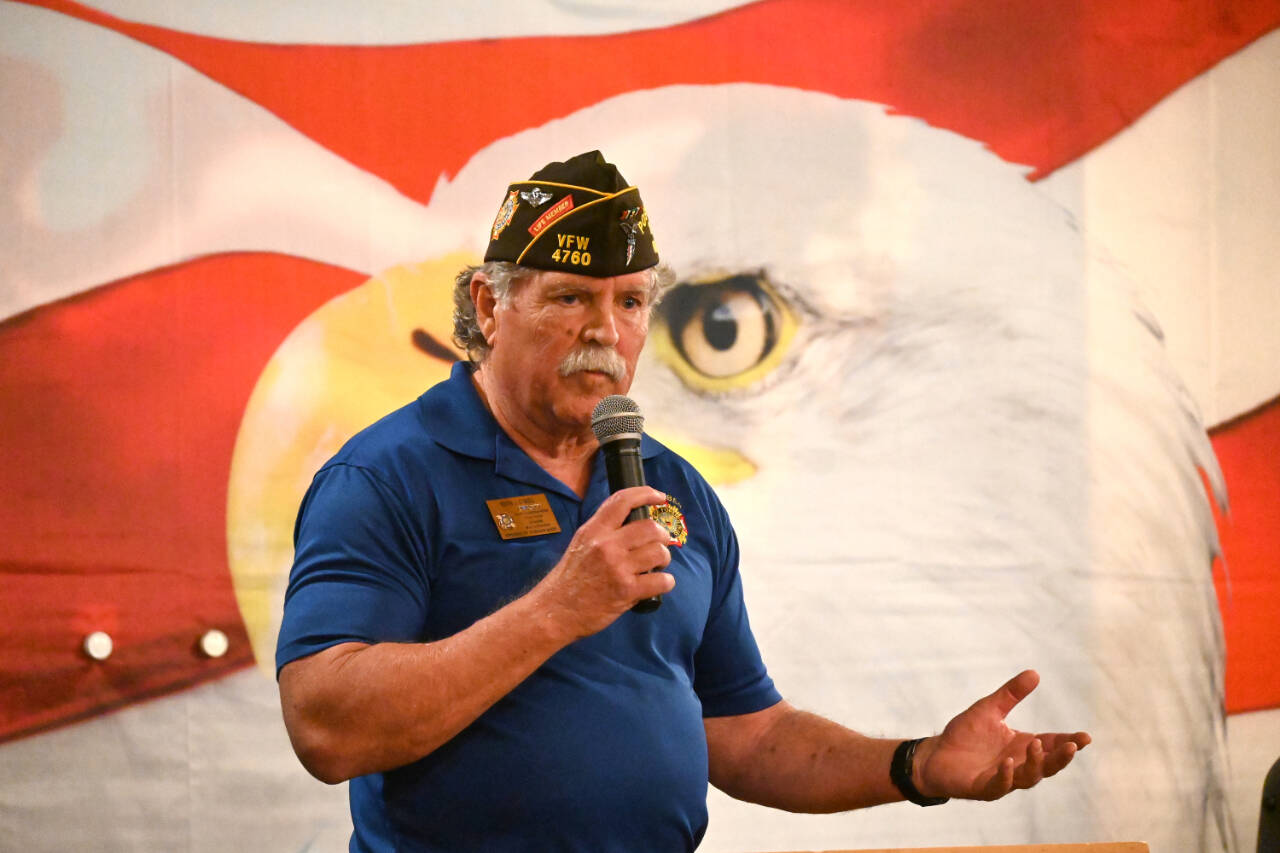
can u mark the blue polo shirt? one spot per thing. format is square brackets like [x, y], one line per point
[602, 748]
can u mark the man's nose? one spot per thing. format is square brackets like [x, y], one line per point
[602, 326]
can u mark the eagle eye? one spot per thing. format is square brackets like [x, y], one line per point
[724, 333]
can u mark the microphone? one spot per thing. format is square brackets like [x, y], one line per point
[618, 425]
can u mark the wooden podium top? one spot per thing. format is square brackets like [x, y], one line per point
[1104, 847]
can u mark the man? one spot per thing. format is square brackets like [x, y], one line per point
[458, 638]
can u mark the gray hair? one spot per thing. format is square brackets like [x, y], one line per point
[502, 276]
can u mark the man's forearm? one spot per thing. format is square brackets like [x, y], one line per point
[801, 762]
[354, 709]
[793, 760]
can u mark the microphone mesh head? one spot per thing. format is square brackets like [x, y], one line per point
[616, 415]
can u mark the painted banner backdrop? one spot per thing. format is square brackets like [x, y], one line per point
[969, 447]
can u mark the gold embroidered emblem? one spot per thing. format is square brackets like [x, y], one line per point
[503, 219]
[672, 520]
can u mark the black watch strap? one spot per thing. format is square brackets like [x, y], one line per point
[900, 774]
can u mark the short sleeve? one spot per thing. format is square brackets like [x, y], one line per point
[359, 571]
[729, 675]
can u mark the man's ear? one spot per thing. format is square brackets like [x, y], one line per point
[482, 297]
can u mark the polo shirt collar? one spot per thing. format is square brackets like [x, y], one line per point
[456, 417]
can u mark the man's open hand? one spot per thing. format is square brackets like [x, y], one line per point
[979, 757]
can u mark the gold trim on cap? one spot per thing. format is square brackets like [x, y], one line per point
[562, 186]
[578, 209]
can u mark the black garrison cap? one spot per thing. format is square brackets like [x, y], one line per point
[579, 216]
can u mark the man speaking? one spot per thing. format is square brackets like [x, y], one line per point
[458, 636]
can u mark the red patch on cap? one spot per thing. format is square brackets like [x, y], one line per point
[557, 210]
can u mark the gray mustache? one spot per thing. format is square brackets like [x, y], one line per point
[603, 359]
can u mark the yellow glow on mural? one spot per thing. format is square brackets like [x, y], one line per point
[720, 466]
[352, 361]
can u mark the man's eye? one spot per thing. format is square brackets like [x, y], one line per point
[725, 333]
[568, 298]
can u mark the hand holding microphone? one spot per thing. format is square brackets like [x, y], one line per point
[618, 426]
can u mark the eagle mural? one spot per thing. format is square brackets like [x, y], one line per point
[944, 424]
[948, 437]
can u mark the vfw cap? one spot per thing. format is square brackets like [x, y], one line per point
[579, 216]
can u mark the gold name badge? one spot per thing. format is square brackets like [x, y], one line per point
[526, 515]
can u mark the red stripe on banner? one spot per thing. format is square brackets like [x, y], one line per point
[119, 410]
[1040, 82]
[1248, 449]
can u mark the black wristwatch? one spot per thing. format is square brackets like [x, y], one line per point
[900, 774]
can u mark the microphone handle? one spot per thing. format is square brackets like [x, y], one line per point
[622, 464]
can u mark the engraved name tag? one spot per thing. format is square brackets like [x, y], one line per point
[526, 515]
